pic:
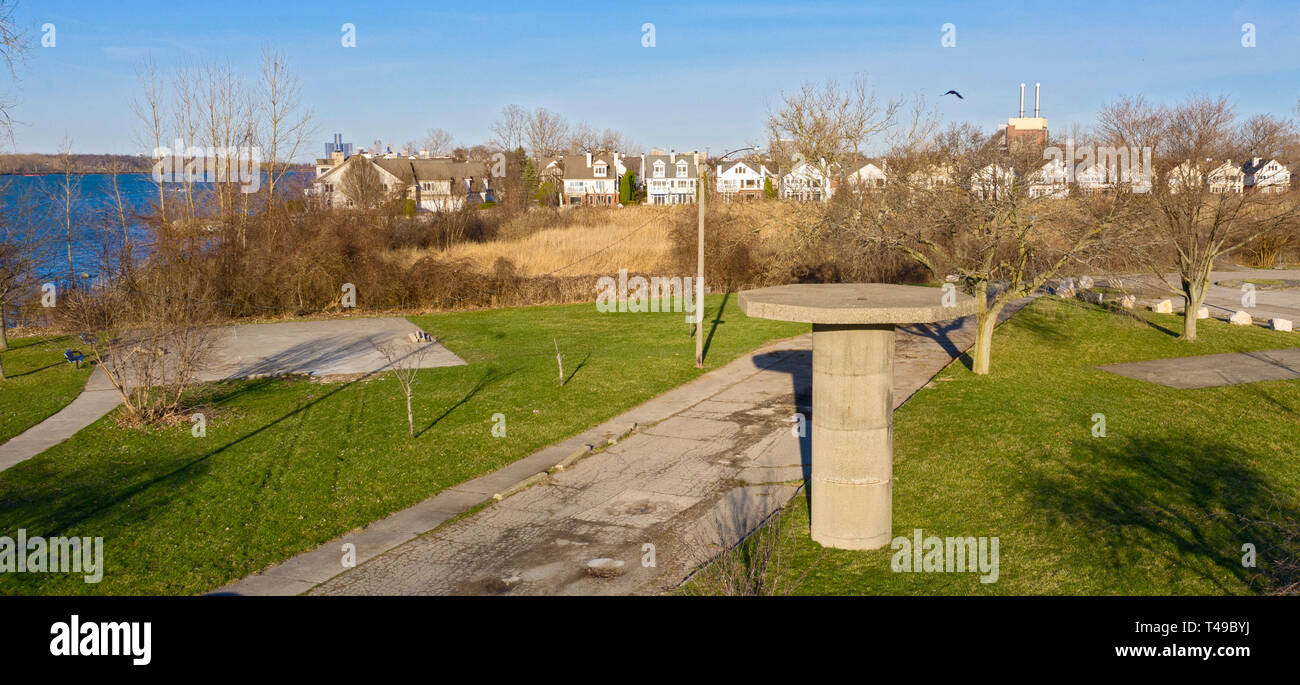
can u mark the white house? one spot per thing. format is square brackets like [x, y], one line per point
[1226, 178]
[1266, 176]
[434, 184]
[670, 179]
[743, 179]
[1050, 180]
[591, 179]
[992, 181]
[805, 182]
[869, 175]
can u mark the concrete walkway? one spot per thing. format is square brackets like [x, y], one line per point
[318, 348]
[1214, 370]
[96, 400]
[707, 463]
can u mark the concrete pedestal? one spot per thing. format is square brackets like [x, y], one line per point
[852, 435]
[852, 395]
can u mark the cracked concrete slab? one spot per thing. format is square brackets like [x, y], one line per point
[1213, 370]
[709, 462]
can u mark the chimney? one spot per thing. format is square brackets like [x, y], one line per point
[588, 160]
[672, 156]
[1036, 87]
[1022, 101]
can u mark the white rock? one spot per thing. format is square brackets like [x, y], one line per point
[1241, 319]
[1163, 307]
[1128, 301]
[1281, 324]
[1085, 282]
[1203, 313]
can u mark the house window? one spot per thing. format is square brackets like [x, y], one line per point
[659, 169]
[681, 170]
[600, 170]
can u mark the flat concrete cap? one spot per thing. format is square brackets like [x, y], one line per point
[853, 303]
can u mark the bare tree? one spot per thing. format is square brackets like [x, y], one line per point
[286, 121]
[228, 115]
[830, 127]
[1264, 136]
[13, 50]
[362, 183]
[1189, 221]
[546, 132]
[583, 137]
[149, 107]
[1131, 121]
[151, 342]
[405, 362]
[510, 130]
[960, 210]
[438, 142]
[25, 243]
[66, 196]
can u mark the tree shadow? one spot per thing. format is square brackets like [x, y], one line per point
[489, 377]
[717, 319]
[85, 503]
[1193, 503]
[577, 368]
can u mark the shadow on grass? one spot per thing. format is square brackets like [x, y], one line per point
[488, 378]
[1192, 503]
[577, 368]
[28, 373]
[717, 319]
[103, 485]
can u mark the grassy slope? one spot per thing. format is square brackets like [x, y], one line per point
[1151, 508]
[289, 464]
[38, 383]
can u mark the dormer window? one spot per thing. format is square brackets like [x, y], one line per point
[681, 170]
[600, 170]
[659, 169]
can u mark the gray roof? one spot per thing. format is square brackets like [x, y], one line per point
[575, 166]
[670, 165]
[414, 171]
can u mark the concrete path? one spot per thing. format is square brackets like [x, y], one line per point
[319, 348]
[707, 463]
[1212, 370]
[1224, 301]
[98, 399]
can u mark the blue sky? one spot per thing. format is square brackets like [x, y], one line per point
[708, 82]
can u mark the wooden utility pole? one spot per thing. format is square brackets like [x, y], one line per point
[699, 275]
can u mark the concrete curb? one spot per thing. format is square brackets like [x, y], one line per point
[521, 485]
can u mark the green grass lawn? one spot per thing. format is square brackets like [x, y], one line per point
[290, 464]
[1161, 505]
[38, 382]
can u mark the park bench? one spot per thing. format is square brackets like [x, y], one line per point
[74, 357]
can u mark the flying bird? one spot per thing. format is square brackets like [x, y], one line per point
[953, 92]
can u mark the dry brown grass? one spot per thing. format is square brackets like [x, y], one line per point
[632, 238]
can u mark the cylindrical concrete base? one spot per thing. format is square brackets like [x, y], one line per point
[852, 435]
